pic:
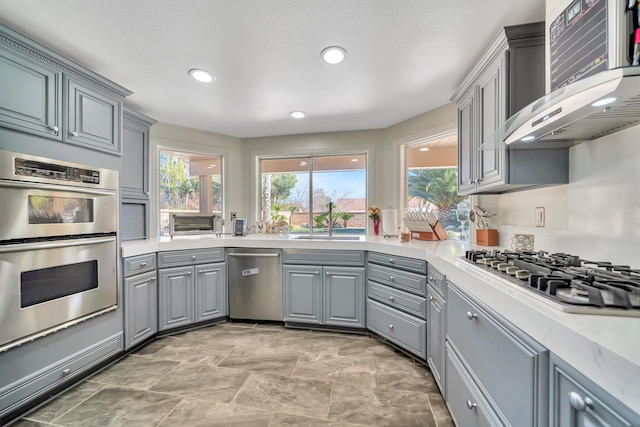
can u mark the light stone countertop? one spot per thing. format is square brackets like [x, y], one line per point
[606, 349]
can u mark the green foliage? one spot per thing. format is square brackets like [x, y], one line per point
[281, 187]
[436, 186]
[276, 213]
[321, 219]
[346, 216]
[176, 187]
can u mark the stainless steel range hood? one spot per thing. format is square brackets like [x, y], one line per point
[575, 113]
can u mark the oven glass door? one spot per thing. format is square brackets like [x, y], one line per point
[49, 284]
[37, 210]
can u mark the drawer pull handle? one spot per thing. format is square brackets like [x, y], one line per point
[391, 298]
[471, 315]
[391, 278]
[200, 271]
[153, 279]
[391, 260]
[391, 327]
[193, 257]
[143, 264]
[317, 272]
[578, 403]
[188, 272]
[54, 128]
[74, 133]
[66, 372]
[431, 298]
[431, 279]
[471, 405]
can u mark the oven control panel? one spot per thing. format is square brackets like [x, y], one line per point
[24, 167]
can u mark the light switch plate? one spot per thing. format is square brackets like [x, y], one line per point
[539, 217]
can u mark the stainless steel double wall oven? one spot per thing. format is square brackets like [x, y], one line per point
[58, 247]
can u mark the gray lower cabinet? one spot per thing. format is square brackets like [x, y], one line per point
[466, 402]
[436, 336]
[575, 401]
[396, 305]
[507, 366]
[93, 118]
[141, 316]
[31, 98]
[140, 299]
[192, 291]
[324, 295]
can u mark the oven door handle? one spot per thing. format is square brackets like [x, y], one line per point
[54, 187]
[21, 247]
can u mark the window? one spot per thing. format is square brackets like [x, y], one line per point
[432, 184]
[296, 191]
[189, 182]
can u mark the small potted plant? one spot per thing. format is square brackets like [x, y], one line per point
[485, 236]
[374, 213]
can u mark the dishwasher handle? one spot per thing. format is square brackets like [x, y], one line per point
[254, 255]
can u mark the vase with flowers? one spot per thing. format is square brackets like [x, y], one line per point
[374, 213]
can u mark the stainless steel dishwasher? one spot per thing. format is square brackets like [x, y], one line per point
[255, 284]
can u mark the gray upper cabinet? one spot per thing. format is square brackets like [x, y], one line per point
[575, 401]
[31, 98]
[509, 75]
[93, 118]
[134, 178]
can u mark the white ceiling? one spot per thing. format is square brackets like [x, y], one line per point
[404, 57]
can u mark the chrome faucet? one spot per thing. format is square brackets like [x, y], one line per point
[330, 218]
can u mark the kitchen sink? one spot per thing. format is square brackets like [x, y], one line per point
[325, 237]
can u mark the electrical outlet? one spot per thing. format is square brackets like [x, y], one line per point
[234, 215]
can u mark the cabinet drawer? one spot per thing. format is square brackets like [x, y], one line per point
[466, 403]
[323, 257]
[407, 331]
[398, 279]
[577, 401]
[495, 350]
[139, 264]
[409, 264]
[436, 279]
[409, 303]
[190, 257]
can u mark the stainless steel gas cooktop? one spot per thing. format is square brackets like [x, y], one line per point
[568, 282]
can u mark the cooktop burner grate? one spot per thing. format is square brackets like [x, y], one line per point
[571, 283]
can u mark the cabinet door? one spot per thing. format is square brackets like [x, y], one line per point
[141, 302]
[491, 157]
[134, 178]
[31, 98]
[93, 118]
[211, 291]
[435, 337]
[302, 288]
[466, 145]
[576, 402]
[343, 299]
[176, 297]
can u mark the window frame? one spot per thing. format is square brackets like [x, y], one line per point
[257, 209]
[161, 144]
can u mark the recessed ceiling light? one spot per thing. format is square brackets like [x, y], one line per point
[333, 55]
[297, 114]
[528, 138]
[423, 149]
[201, 75]
[354, 160]
[603, 101]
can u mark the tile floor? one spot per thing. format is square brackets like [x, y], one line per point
[254, 375]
